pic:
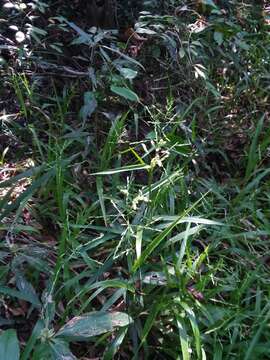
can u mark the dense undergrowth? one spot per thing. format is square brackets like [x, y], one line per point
[135, 182]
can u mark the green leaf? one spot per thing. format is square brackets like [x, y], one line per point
[161, 236]
[100, 193]
[32, 340]
[145, 31]
[114, 346]
[83, 36]
[5, 290]
[253, 156]
[38, 30]
[109, 148]
[218, 37]
[183, 339]
[182, 53]
[9, 207]
[154, 310]
[256, 336]
[60, 350]
[128, 73]
[9, 345]
[34, 171]
[123, 169]
[209, 3]
[42, 351]
[82, 328]
[124, 56]
[108, 153]
[195, 328]
[27, 289]
[212, 89]
[125, 93]
[90, 105]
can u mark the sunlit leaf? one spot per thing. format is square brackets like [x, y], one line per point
[128, 73]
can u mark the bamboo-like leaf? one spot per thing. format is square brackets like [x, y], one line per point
[9, 345]
[82, 328]
[253, 151]
[125, 93]
[114, 346]
[123, 169]
[183, 339]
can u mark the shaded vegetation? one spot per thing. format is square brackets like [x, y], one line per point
[134, 154]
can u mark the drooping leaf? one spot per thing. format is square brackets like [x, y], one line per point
[82, 328]
[9, 345]
[60, 350]
[27, 289]
[199, 71]
[90, 105]
[84, 38]
[125, 93]
[5, 290]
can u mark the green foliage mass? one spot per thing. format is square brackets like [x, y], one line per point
[134, 181]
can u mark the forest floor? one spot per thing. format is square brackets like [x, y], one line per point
[134, 182]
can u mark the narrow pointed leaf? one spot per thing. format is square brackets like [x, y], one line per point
[125, 93]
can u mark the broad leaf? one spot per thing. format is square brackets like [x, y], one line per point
[27, 289]
[9, 346]
[125, 93]
[60, 350]
[5, 290]
[218, 36]
[84, 327]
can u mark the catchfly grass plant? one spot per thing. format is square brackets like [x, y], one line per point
[134, 200]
